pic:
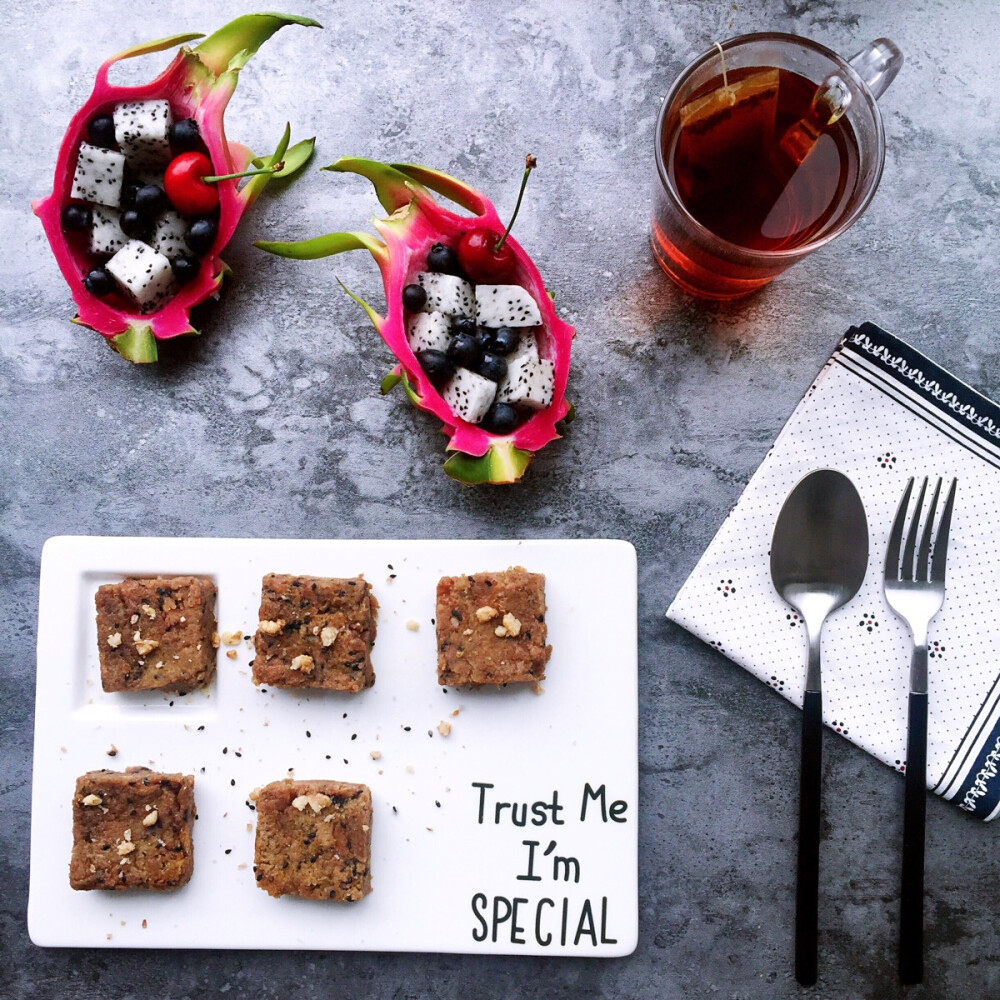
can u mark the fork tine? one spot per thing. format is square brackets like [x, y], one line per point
[941, 542]
[906, 570]
[924, 551]
[896, 535]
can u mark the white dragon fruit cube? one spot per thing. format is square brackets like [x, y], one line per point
[447, 294]
[106, 236]
[429, 331]
[506, 305]
[530, 382]
[527, 347]
[142, 130]
[99, 174]
[145, 275]
[469, 395]
[168, 235]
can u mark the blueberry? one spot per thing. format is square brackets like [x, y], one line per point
[99, 282]
[501, 418]
[185, 269]
[414, 298]
[443, 260]
[493, 367]
[437, 365]
[463, 324]
[101, 131]
[465, 351]
[76, 217]
[485, 337]
[150, 200]
[134, 225]
[201, 235]
[185, 136]
[505, 341]
[129, 190]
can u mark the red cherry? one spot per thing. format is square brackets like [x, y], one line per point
[480, 259]
[184, 185]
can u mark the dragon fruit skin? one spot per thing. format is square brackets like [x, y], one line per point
[198, 83]
[415, 223]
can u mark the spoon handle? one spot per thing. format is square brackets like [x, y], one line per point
[807, 889]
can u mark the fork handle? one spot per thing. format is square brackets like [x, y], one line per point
[807, 887]
[911, 914]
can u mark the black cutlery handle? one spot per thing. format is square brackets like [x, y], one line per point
[911, 913]
[807, 889]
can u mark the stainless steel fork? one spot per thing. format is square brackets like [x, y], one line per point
[914, 588]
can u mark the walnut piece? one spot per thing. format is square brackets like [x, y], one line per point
[328, 635]
[115, 640]
[231, 638]
[150, 818]
[148, 611]
[485, 613]
[143, 646]
[512, 625]
[125, 845]
[92, 800]
[444, 728]
[271, 628]
[304, 663]
[413, 626]
[317, 801]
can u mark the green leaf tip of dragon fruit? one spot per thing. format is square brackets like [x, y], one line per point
[146, 287]
[234, 44]
[497, 417]
[137, 344]
[390, 382]
[501, 465]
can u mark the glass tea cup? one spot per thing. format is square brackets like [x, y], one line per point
[768, 146]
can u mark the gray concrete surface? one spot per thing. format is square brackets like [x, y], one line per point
[271, 425]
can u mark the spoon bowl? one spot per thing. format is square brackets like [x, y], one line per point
[819, 554]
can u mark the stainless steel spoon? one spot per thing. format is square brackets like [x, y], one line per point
[819, 555]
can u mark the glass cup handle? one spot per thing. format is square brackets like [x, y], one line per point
[878, 64]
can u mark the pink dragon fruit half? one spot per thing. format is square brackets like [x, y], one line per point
[198, 84]
[416, 222]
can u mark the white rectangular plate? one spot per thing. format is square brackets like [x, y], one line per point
[451, 871]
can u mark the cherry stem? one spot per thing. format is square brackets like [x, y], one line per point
[529, 164]
[246, 173]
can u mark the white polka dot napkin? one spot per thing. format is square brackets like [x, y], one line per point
[879, 412]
